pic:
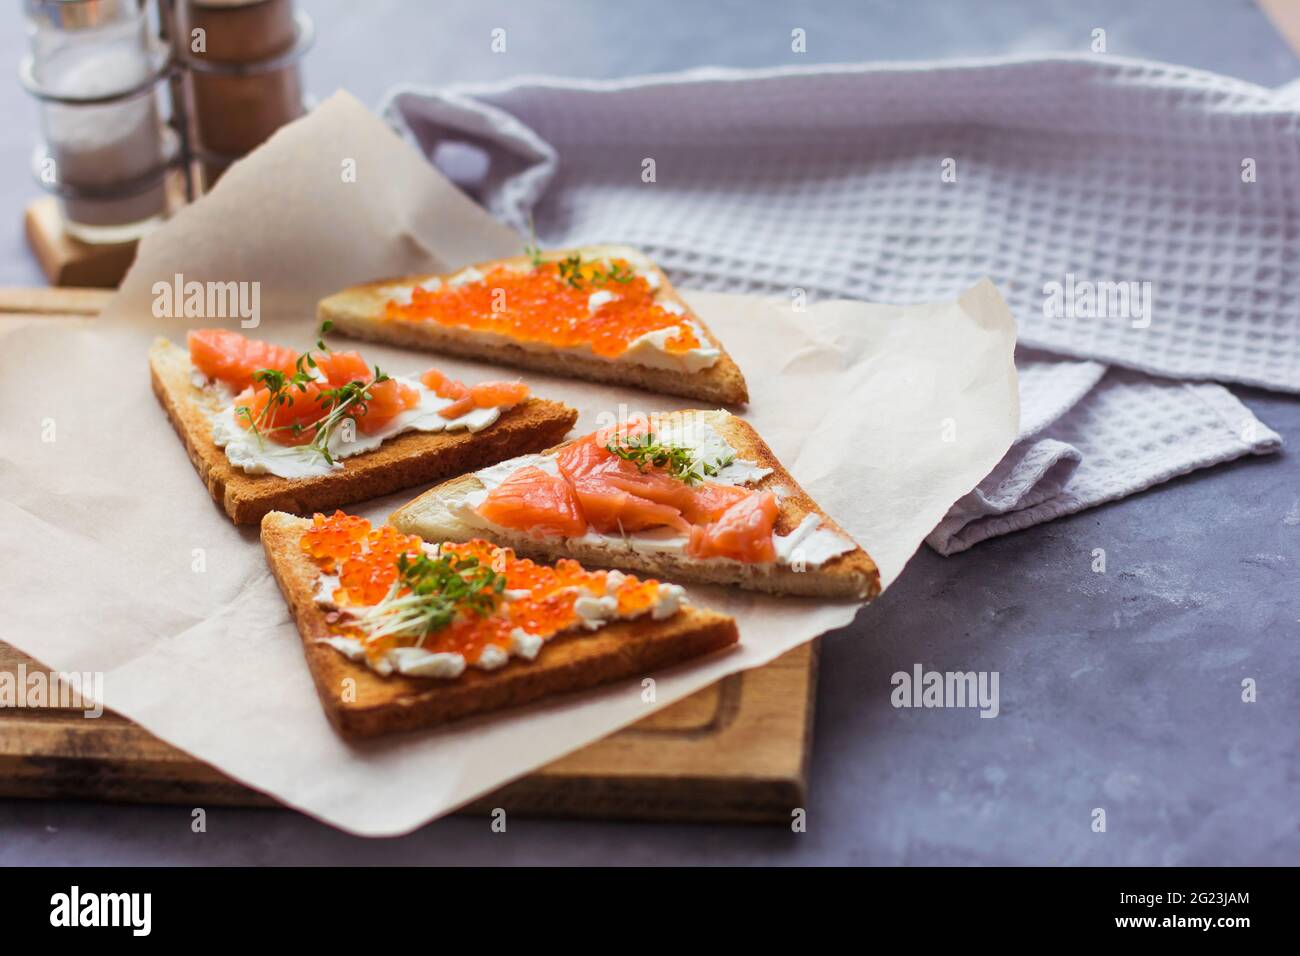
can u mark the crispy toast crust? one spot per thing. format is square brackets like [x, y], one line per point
[407, 460]
[373, 705]
[358, 312]
[851, 575]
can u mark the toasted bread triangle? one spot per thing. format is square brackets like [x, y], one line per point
[361, 703]
[359, 312]
[410, 459]
[850, 575]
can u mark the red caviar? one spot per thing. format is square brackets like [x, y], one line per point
[544, 613]
[539, 305]
[366, 562]
[548, 608]
[367, 576]
[636, 596]
[470, 637]
[330, 540]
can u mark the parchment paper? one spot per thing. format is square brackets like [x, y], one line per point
[116, 560]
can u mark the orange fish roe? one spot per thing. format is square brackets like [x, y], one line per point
[366, 560]
[544, 614]
[330, 540]
[538, 305]
[469, 637]
[483, 551]
[365, 577]
[524, 575]
[636, 596]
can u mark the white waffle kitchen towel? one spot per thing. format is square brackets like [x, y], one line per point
[1132, 213]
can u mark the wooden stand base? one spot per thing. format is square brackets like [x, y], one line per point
[67, 261]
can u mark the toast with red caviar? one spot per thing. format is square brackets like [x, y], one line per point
[268, 429]
[685, 496]
[605, 313]
[400, 634]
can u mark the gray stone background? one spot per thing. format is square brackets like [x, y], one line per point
[1120, 690]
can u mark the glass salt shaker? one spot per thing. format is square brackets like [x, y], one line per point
[96, 71]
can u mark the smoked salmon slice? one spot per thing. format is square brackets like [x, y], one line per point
[387, 400]
[449, 388]
[610, 494]
[435, 382]
[343, 367]
[744, 532]
[299, 408]
[615, 497]
[710, 500]
[233, 358]
[534, 500]
[611, 511]
[465, 399]
[496, 394]
[653, 497]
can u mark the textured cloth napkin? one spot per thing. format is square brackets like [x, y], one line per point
[907, 183]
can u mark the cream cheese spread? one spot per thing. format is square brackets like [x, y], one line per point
[256, 455]
[402, 294]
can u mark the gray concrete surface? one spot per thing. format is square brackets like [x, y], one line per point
[1119, 690]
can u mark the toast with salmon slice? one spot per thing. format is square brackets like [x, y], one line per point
[605, 313]
[363, 701]
[199, 408]
[692, 496]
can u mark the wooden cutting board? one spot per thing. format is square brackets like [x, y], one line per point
[735, 751]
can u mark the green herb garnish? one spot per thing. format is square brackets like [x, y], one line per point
[616, 273]
[681, 463]
[436, 590]
[337, 404]
[533, 251]
[571, 272]
[346, 401]
[279, 386]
